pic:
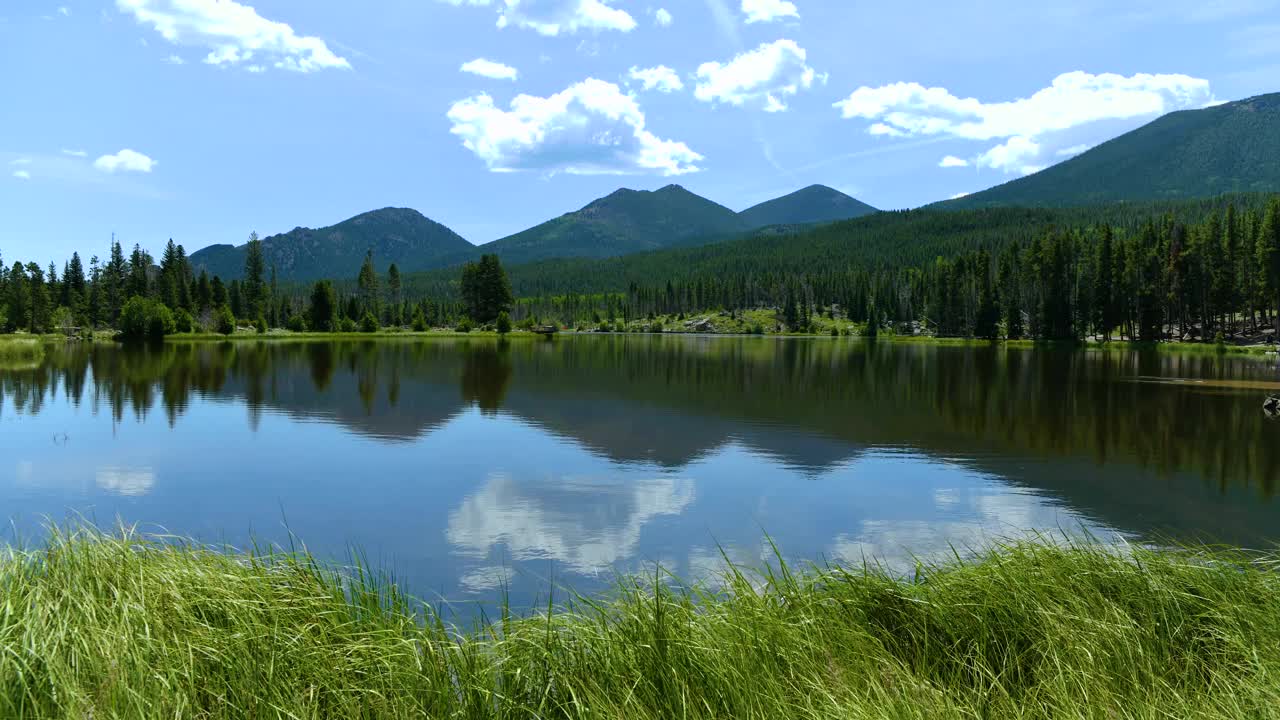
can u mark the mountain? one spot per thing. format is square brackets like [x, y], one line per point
[814, 204]
[396, 235]
[624, 222]
[1193, 153]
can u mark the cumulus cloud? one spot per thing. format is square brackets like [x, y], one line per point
[585, 525]
[22, 174]
[590, 128]
[1018, 152]
[490, 69]
[234, 33]
[660, 78]
[553, 17]
[951, 161]
[125, 161]
[663, 17]
[768, 10]
[764, 76]
[1073, 100]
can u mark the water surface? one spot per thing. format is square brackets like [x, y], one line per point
[464, 464]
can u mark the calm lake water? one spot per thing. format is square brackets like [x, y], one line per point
[464, 463]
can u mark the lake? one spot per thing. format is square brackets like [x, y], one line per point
[467, 465]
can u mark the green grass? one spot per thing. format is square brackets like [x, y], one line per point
[122, 627]
[22, 350]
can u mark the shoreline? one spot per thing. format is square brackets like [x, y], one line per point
[286, 335]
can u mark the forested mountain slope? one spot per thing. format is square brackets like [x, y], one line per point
[1230, 148]
[395, 235]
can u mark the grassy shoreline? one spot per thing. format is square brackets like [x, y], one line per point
[121, 626]
[15, 347]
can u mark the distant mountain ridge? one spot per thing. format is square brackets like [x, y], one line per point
[621, 223]
[1228, 148]
[395, 235]
[814, 204]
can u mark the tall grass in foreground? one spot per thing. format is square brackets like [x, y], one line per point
[119, 627]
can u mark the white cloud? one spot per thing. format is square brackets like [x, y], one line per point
[75, 153]
[553, 17]
[763, 76]
[20, 161]
[1017, 154]
[663, 17]
[768, 10]
[1073, 99]
[490, 69]
[131, 483]
[590, 128]
[586, 525]
[175, 60]
[22, 174]
[1073, 150]
[236, 34]
[64, 11]
[660, 78]
[951, 161]
[957, 196]
[125, 161]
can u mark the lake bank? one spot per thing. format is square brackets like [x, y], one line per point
[120, 625]
[21, 344]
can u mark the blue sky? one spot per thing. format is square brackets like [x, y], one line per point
[203, 120]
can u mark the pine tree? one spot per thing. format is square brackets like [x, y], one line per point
[138, 283]
[396, 295]
[38, 308]
[1268, 256]
[252, 293]
[115, 276]
[19, 315]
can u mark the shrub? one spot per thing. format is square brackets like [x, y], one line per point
[504, 323]
[419, 321]
[260, 325]
[464, 325]
[223, 321]
[144, 318]
[182, 321]
[347, 325]
[369, 323]
[297, 323]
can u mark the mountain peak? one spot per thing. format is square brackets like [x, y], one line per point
[400, 235]
[813, 204]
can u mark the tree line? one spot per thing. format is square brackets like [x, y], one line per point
[1195, 269]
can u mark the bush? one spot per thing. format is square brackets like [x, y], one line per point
[223, 321]
[297, 323]
[143, 318]
[756, 329]
[347, 325]
[62, 321]
[419, 321]
[464, 325]
[504, 323]
[656, 327]
[369, 323]
[260, 325]
[182, 321]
